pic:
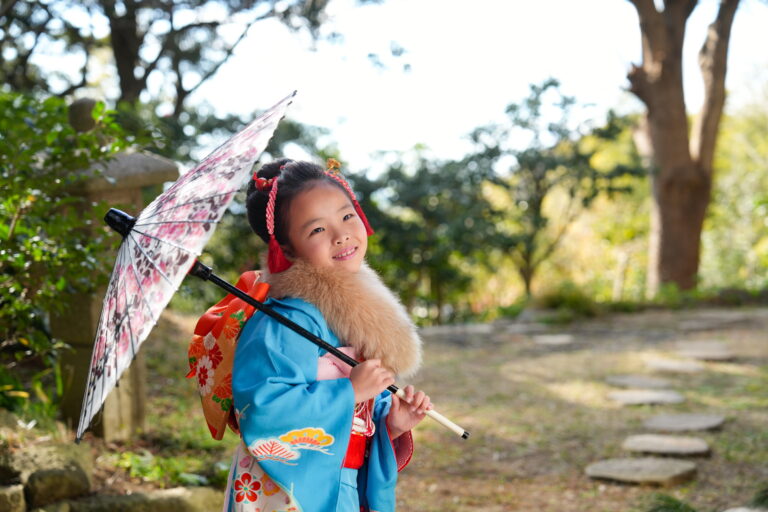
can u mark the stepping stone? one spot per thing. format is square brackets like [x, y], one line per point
[705, 350]
[684, 422]
[647, 470]
[646, 397]
[666, 445]
[638, 381]
[553, 339]
[675, 365]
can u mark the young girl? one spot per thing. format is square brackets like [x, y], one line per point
[317, 436]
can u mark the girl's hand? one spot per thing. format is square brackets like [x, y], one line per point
[369, 379]
[406, 414]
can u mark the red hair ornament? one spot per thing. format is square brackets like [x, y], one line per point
[276, 260]
[333, 170]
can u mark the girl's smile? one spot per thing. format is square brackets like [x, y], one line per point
[324, 229]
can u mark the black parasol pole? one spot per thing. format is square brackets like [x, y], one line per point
[206, 274]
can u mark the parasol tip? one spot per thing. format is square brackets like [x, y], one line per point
[465, 435]
[120, 221]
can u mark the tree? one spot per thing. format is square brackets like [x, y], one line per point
[556, 159]
[735, 238]
[682, 160]
[181, 43]
[432, 223]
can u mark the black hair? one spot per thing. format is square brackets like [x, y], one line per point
[293, 177]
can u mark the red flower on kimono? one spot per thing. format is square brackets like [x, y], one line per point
[215, 355]
[245, 488]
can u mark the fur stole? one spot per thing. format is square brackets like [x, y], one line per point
[359, 309]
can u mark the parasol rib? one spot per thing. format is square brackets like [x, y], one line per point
[151, 261]
[206, 198]
[89, 393]
[141, 290]
[172, 244]
[180, 222]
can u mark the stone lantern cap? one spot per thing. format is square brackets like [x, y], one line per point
[131, 169]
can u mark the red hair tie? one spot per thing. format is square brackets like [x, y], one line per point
[262, 184]
[276, 260]
[333, 170]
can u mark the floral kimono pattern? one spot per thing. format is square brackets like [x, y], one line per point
[295, 428]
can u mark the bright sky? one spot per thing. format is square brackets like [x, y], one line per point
[468, 60]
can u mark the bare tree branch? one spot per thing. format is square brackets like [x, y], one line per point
[7, 6]
[183, 93]
[713, 58]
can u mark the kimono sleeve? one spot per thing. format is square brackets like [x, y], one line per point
[296, 427]
[385, 459]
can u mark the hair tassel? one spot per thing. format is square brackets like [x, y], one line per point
[276, 260]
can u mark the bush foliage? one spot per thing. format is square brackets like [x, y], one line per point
[48, 247]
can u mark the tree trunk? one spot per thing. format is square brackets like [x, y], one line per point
[126, 42]
[681, 168]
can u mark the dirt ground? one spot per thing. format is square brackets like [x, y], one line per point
[538, 414]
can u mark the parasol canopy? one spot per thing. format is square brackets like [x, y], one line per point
[158, 249]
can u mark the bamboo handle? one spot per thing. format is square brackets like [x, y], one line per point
[439, 418]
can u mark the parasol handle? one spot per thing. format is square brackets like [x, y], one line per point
[206, 274]
[437, 417]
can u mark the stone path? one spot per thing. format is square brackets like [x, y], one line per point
[666, 444]
[646, 397]
[553, 339]
[647, 389]
[647, 470]
[675, 365]
[638, 382]
[684, 422]
[705, 350]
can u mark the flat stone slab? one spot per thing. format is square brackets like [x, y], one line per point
[684, 422]
[675, 365]
[646, 397]
[705, 350]
[669, 445]
[646, 470]
[553, 339]
[638, 381]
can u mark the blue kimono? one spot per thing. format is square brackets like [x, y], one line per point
[295, 428]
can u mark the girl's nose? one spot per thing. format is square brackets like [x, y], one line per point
[341, 239]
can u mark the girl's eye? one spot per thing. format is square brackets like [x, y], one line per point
[316, 231]
[349, 216]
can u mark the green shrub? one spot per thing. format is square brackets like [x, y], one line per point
[47, 247]
[569, 302]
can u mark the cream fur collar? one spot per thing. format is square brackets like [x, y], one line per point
[360, 310]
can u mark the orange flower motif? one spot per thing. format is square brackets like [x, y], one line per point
[232, 327]
[224, 390]
[269, 486]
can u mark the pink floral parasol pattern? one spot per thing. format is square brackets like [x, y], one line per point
[157, 253]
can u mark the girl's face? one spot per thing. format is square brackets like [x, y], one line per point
[324, 229]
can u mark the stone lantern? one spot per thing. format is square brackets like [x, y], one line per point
[120, 184]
